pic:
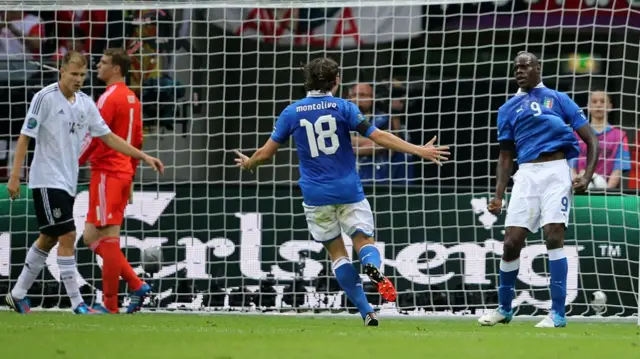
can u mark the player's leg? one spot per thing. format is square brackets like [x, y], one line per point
[514, 241]
[33, 265]
[356, 219]
[522, 217]
[36, 257]
[324, 228]
[107, 202]
[556, 205]
[59, 210]
[349, 280]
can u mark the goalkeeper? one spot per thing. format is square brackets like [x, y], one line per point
[111, 181]
[334, 200]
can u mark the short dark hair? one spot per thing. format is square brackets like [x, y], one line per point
[321, 74]
[119, 58]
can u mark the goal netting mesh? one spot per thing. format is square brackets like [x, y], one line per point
[213, 76]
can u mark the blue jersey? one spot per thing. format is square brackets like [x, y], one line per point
[320, 125]
[541, 121]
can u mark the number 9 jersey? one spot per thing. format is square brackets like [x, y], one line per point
[321, 126]
[540, 121]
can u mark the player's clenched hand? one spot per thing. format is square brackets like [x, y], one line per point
[580, 184]
[154, 163]
[495, 206]
[14, 187]
[433, 153]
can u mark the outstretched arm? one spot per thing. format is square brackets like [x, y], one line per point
[428, 151]
[262, 155]
[120, 145]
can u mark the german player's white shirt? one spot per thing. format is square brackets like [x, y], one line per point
[59, 128]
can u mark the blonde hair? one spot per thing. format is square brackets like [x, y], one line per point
[74, 57]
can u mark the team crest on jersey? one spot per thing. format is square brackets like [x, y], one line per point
[131, 99]
[361, 117]
[548, 103]
[32, 123]
[57, 213]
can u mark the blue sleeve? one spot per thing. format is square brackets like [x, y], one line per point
[571, 113]
[355, 117]
[282, 130]
[622, 159]
[504, 127]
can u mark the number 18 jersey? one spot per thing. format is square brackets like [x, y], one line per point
[320, 125]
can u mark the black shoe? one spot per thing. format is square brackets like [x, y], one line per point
[371, 320]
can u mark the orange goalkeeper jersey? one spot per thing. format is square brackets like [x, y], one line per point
[121, 110]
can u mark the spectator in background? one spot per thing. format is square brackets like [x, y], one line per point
[92, 23]
[20, 34]
[376, 163]
[76, 43]
[401, 166]
[614, 148]
[373, 161]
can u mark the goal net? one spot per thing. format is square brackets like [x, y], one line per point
[214, 75]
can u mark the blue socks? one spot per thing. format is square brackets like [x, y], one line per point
[369, 254]
[350, 282]
[508, 275]
[558, 266]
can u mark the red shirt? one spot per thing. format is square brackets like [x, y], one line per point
[121, 110]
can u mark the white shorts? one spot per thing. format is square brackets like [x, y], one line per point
[328, 222]
[541, 195]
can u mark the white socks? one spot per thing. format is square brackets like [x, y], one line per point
[33, 265]
[67, 266]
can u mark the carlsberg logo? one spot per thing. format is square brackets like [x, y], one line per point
[409, 261]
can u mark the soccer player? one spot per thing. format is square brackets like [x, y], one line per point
[59, 117]
[334, 200]
[537, 125]
[111, 181]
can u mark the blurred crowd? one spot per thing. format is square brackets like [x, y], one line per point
[150, 35]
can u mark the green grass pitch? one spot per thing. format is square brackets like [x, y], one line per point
[174, 336]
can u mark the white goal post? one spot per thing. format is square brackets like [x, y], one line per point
[214, 75]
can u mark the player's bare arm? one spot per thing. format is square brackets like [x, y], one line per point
[581, 183]
[120, 145]
[261, 156]
[503, 173]
[428, 151]
[14, 180]
[364, 146]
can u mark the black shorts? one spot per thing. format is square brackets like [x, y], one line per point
[54, 211]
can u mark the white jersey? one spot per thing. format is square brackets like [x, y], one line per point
[59, 128]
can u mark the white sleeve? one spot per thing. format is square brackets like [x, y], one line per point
[97, 126]
[39, 110]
